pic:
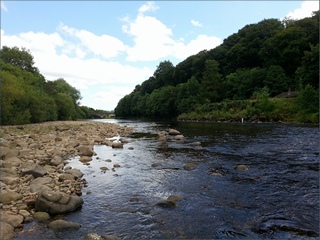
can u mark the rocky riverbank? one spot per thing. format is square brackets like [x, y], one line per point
[35, 183]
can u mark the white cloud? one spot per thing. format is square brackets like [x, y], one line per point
[202, 42]
[153, 40]
[148, 7]
[196, 23]
[151, 37]
[3, 7]
[104, 45]
[305, 10]
[52, 57]
[83, 58]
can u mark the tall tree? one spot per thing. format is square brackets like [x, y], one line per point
[211, 81]
[19, 58]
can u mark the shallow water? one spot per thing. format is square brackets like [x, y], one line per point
[277, 198]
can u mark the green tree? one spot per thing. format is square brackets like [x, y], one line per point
[308, 100]
[66, 107]
[211, 81]
[61, 86]
[188, 96]
[18, 58]
[276, 80]
[308, 72]
[161, 102]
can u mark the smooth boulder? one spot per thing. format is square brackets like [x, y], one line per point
[57, 202]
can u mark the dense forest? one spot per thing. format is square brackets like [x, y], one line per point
[27, 97]
[239, 78]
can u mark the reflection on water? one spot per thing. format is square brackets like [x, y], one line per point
[277, 198]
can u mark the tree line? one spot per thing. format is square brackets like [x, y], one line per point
[269, 57]
[27, 97]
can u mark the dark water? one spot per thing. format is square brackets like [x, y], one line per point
[277, 198]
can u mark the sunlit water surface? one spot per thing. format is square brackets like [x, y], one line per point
[277, 198]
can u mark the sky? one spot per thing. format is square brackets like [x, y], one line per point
[105, 48]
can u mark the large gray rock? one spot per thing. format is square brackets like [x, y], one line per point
[39, 184]
[57, 202]
[6, 231]
[34, 169]
[61, 225]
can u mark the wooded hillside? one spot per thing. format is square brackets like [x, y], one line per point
[263, 59]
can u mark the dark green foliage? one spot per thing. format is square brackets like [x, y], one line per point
[18, 58]
[26, 97]
[273, 55]
[308, 100]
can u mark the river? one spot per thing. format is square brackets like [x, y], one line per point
[276, 198]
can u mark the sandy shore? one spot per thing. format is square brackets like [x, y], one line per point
[33, 159]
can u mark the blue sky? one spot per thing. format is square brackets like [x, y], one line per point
[105, 48]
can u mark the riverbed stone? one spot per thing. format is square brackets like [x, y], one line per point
[75, 172]
[41, 216]
[85, 151]
[7, 197]
[189, 166]
[173, 132]
[174, 198]
[66, 176]
[166, 203]
[93, 236]
[109, 237]
[12, 162]
[241, 167]
[8, 172]
[9, 180]
[34, 169]
[6, 231]
[57, 202]
[179, 137]
[61, 225]
[117, 145]
[13, 220]
[56, 160]
[85, 159]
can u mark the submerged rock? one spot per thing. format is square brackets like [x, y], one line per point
[93, 236]
[174, 197]
[61, 225]
[166, 203]
[241, 167]
[189, 166]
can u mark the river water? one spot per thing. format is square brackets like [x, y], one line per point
[276, 198]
